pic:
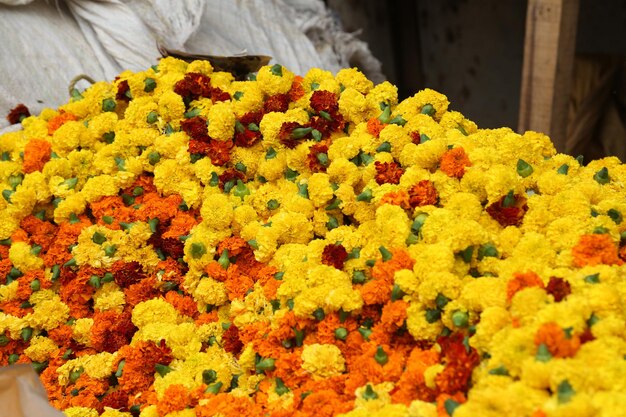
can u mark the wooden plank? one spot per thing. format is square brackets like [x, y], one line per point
[549, 48]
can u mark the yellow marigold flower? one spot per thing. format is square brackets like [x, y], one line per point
[171, 64]
[422, 409]
[418, 325]
[150, 411]
[393, 226]
[81, 330]
[8, 292]
[111, 412]
[384, 92]
[201, 66]
[275, 79]
[40, 348]
[49, 314]
[138, 109]
[97, 366]
[272, 122]
[154, 311]
[109, 297]
[67, 137]
[81, 412]
[323, 361]
[171, 108]
[353, 78]
[34, 127]
[221, 121]
[492, 319]
[416, 104]
[210, 292]
[217, 211]
[320, 191]
[22, 258]
[247, 97]
[354, 107]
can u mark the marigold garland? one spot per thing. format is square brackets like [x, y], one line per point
[177, 243]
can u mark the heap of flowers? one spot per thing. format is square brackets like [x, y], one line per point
[177, 243]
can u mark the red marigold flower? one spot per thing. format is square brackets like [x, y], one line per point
[127, 273]
[558, 288]
[230, 340]
[375, 126]
[219, 152]
[286, 136]
[276, 103]
[326, 126]
[595, 249]
[322, 100]
[194, 85]
[334, 255]
[388, 172]
[416, 137]
[196, 128]
[460, 362]
[313, 161]
[423, 193]
[454, 161]
[111, 331]
[122, 91]
[508, 215]
[230, 174]
[117, 400]
[218, 94]
[521, 281]
[18, 113]
[198, 147]
[247, 137]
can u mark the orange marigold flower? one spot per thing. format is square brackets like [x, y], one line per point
[184, 304]
[442, 399]
[595, 249]
[560, 343]
[454, 161]
[423, 193]
[175, 398]
[297, 90]
[521, 281]
[412, 385]
[219, 151]
[334, 255]
[397, 198]
[59, 120]
[394, 315]
[460, 362]
[375, 126]
[508, 215]
[36, 153]
[388, 172]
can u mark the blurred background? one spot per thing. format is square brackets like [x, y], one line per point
[474, 51]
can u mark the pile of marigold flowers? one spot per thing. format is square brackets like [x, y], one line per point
[177, 243]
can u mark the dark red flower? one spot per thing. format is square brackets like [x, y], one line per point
[314, 163]
[117, 400]
[460, 360]
[322, 100]
[286, 135]
[198, 147]
[218, 94]
[127, 273]
[248, 137]
[16, 115]
[231, 174]
[196, 128]
[230, 340]
[334, 255]
[416, 137]
[388, 172]
[510, 215]
[219, 151]
[559, 288]
[277, 103]
[193, 86]
[123, 91]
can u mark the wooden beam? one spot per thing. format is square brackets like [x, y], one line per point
[549, 47]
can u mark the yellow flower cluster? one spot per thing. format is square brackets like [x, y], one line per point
[289, 237]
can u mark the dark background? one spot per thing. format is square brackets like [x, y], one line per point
[470, 50]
